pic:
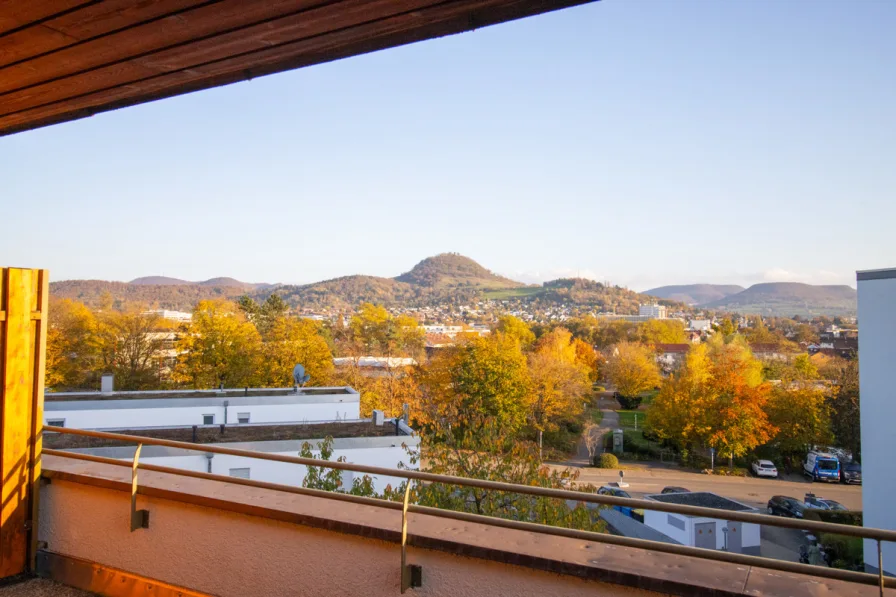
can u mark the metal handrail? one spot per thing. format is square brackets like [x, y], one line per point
[709, 554]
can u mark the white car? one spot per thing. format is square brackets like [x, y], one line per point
[764, 468]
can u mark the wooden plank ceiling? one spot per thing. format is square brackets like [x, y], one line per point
[67, 59]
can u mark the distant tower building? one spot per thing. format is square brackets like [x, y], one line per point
[653, 311]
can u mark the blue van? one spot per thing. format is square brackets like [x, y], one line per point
[821, 466]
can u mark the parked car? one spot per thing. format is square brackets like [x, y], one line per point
[616, 492]
[764, 468]
[782, 505]
[813, 502]
[821, 466]
[673, 489]
[832, 505]
[851, 473]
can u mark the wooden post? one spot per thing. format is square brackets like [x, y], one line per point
[24, 294]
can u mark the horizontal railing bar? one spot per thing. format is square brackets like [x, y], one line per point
[344, 497]
[578, 496]
[682, 550]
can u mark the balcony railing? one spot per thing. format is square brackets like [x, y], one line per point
[878, 535]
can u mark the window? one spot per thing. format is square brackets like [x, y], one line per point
[239, 473]
[675, 522]
[56, 422]
[208, 419]
[242, 417]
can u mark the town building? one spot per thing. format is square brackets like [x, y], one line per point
[708, 533]
[133, 410]
[670, 356]
[179, 316]
[376, 366]
[373, 442]
[877, 355]
[654, 311]
[700, 325]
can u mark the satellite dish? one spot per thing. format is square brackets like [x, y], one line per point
[299, 376]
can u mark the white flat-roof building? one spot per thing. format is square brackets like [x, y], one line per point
[131, 410]
[708, 533]
[877, 354]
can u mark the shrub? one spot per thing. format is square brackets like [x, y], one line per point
[629, 402]
[606, 460]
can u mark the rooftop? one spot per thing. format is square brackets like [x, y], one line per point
[228, 393]
[703, 499]
[248, 433]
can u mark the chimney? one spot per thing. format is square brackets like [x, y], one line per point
[379, 417]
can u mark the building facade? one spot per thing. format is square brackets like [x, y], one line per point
[877, 355]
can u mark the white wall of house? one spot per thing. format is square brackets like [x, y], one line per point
[669, 524]
[384, 452]
[163, 412]
[877, 358]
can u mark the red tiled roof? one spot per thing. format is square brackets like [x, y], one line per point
[679, 348]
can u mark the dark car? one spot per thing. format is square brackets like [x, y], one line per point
[673, 489]
[832, 505]
[616, 492]
[851, 473]
[782, 505]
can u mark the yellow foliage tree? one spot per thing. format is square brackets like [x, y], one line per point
[802, 416]
[292, 341]
[559, 380]
[220, 347]
[72, 347]
[632, 368]
[516, 328]
[662, 331]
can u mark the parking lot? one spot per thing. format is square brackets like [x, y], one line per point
[776, 542]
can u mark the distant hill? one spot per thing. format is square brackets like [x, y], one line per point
[180, 297]
[790, 298]
[217, 282]
[450, 270]
[445, 278]
[158, 281]
[695, 294]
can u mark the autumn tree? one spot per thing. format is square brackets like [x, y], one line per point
[129, 345]
[718, 400]
[845, 405]
[220, 347]
[725, 327]
[291, 341]
[662, 331]
[802, 415]
[72, 347]
[632, 368]
[265, 314]
[483, 375]
[559, 379]
[375, 332]
[485, 449]
[387, 390]
[516, 328]
[589, 358]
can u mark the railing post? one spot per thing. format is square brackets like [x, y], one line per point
[880, 567]
[24, 295]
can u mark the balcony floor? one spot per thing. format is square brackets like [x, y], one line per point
[40, 587]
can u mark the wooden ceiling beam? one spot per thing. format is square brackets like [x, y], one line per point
[351, 27]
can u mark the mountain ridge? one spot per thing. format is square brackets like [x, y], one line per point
[695, 294]
[790, 298]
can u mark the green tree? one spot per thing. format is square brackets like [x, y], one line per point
[220, 347]
[486, 450]
[264, 315]
[845, 408]
[516, 328]
[725, 327]
[632, 368]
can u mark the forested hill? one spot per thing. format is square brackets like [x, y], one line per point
[450, 270]
[790, 298]
[695, 294]
[445, 278]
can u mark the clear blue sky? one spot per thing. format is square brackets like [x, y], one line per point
[641, 142]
